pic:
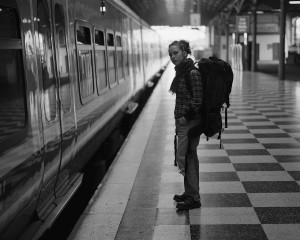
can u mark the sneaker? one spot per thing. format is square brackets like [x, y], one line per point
[179, 198]
[188, 204]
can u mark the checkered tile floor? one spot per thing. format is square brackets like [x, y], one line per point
[250, 189]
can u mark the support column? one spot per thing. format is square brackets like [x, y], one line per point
[254, 33]
[227, 40]
[281, 67]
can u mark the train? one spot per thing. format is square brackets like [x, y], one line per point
[69, 71]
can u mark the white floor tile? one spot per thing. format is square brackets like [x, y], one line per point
[275, 199]
[282, 231]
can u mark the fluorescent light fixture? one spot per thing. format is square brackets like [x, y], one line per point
[294, 2]
[257, 12]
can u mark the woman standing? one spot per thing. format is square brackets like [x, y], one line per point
[187, 86]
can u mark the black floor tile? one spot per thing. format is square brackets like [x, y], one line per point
[277, 116]
[218, 176]
[245, 152]
[295, 175]
[137, 218]
[220, 159]
[236, 131]
[246, 140]
[231, 117]
[263, 127]
[209, 146]
[227, 232]
[256, 120]
[138, 235]
[271, 187]
[260, 106]
[272, 110]
[225, 200]
[287, 158]
[272, 135]
[281, 145]
[258, 166]
[248, 114]
[287, 123]
[235, 123]
[297, 130]
[278, 215]
[143, 200]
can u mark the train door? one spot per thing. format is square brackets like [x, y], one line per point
[137, 61]
[66, 109]
[50, 106]
[133, 55]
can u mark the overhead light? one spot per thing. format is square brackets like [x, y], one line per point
[294, 2]
[257, 12]
[102, 7]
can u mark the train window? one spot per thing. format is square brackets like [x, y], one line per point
[110, 39]
[46, 60]
[100, 60]
[85, 61]
[119, 58]
[118, 41]
[99, 37]
[62, 59]
[12, 95]
[111, 57]
[9, 23]
[83, 35]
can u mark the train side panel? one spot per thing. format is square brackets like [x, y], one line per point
[69, 75]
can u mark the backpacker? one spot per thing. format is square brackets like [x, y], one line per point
[217, 77]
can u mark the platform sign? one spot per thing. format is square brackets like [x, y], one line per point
[195, 19]
[242, 24]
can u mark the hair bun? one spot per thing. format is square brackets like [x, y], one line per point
[183, 45]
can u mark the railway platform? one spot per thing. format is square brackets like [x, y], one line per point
[250, 188]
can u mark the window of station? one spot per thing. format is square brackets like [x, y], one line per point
[13, 113]
[119, 57]
[62, 59]
[296, 31]
[85, 60]
[100, 60]
[111, 58]
[46, 60]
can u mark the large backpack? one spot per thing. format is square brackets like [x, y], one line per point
[217, 77]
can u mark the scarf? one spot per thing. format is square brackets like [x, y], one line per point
[183, 68]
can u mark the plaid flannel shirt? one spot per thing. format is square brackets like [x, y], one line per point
[188, 105]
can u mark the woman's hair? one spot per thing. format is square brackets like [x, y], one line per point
[183, 45]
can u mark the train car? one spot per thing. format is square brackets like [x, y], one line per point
[69, 71]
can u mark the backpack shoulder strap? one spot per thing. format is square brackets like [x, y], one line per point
[187, 79]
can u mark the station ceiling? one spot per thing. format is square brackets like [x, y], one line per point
[177, 12]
